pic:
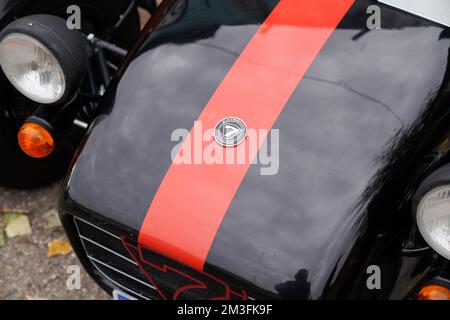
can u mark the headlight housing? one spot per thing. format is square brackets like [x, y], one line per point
[42, 58]
[31, 68]
[433, 210]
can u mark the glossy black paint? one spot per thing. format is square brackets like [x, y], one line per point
[356, 138]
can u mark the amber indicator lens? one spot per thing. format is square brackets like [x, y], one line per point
[434, 292]
[35, 140]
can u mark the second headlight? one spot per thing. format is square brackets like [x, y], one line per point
[433, 210]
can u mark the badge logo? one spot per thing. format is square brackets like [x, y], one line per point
[230, 132]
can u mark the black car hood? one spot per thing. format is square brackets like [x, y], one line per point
[289, 234]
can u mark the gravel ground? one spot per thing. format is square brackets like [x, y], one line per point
[25, 270]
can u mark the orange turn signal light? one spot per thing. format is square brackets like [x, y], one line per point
[434, 292]
[35, 140]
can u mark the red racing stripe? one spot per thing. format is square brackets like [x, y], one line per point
[192, 200]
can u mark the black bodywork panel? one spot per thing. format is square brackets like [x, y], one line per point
[356, 138]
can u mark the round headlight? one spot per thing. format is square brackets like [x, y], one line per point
[432, 210]
[42, 58]
[31, 68]
[433, 219]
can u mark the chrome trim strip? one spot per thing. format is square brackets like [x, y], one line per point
[93, 225]
[107, 249]
[81, 124]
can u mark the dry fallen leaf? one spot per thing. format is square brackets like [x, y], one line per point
[17, 224]
[52, 219]
[9, 215]
[58, 247]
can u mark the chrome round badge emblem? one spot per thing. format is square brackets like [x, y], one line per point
[230, 132]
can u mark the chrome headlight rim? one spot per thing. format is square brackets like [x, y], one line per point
[436, 182]
[32, 41]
